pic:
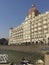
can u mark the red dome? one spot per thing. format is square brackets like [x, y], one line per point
[32, 9]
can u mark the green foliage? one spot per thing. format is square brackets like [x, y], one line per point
[16, 56]
[3, 41]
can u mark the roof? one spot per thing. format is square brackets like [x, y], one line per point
[11, 28]
[32, 9]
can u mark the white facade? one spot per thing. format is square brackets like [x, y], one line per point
[16, 35]
[34, 28]
[26, 31]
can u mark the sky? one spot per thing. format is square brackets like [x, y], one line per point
[13, 13]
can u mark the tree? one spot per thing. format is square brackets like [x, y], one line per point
[3, 41]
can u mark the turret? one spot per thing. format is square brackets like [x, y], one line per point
[33, 11]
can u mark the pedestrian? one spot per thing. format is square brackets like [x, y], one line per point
[12, 63]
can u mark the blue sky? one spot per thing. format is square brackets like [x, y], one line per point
[13, 12]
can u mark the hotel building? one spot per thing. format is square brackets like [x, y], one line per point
[35, 28]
